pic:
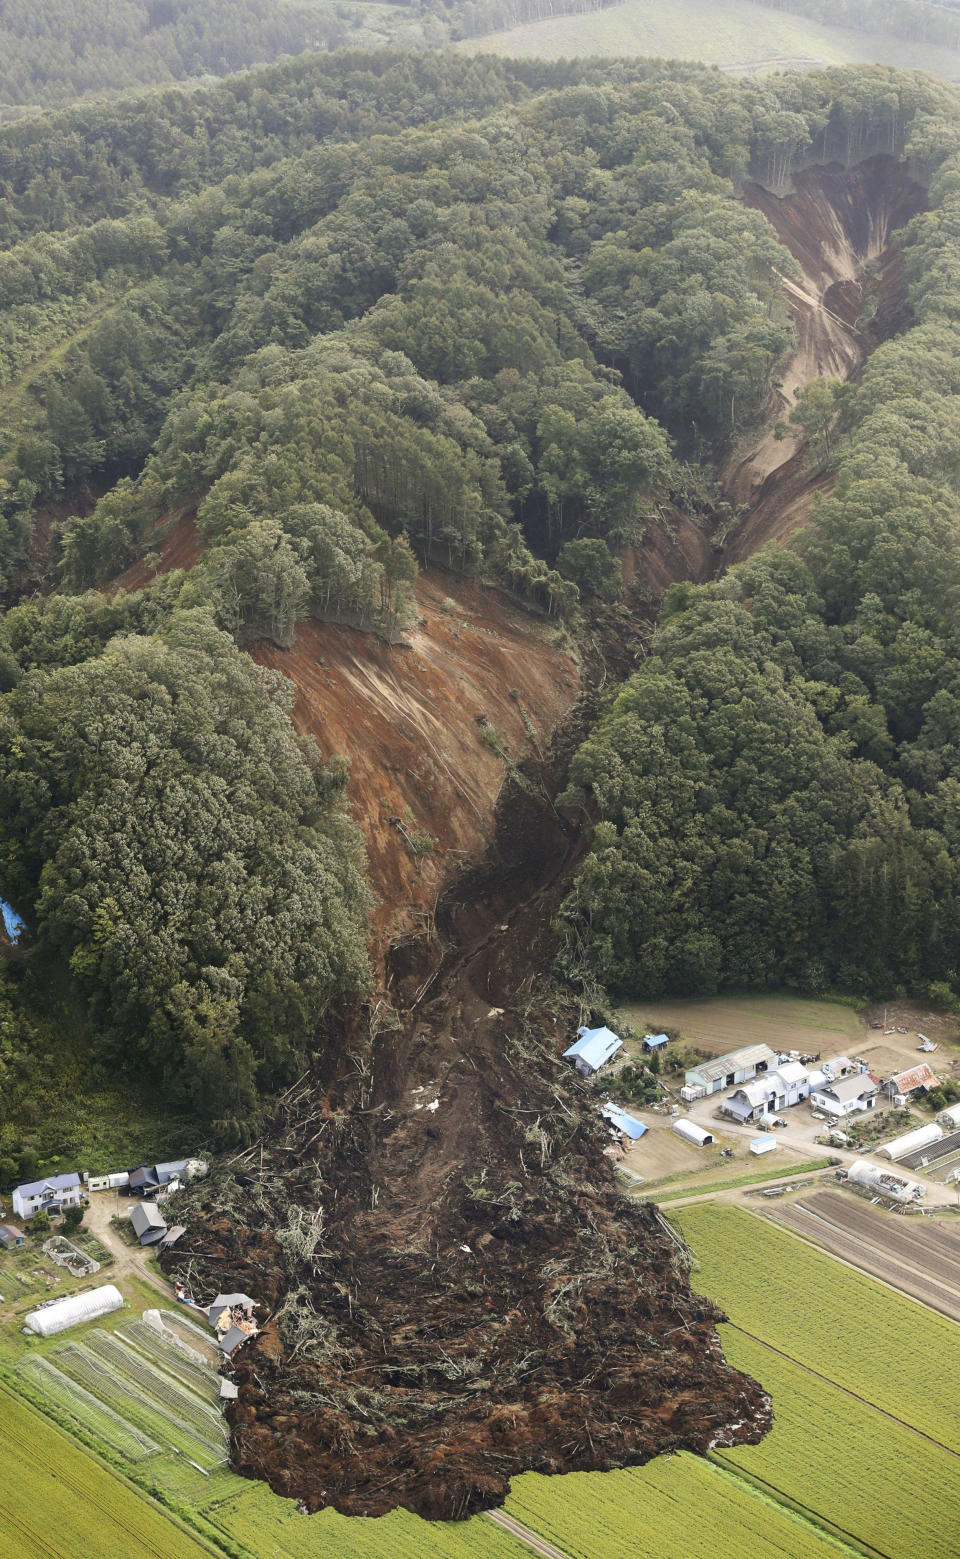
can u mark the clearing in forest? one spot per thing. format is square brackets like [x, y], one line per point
[716, 1024]
[738, 35]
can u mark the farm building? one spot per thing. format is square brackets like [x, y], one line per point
[653, 1042]
[10, 1237]
[149, 1224]
[48, 1196]
[151, 1178]
[845, 1097]
[905, 1083]
[626, 1125]
[739, 1066]
[911, 1142]
[883, 1183]
[691, 1132]
[785, 1085]
[761, 1145]
[950, 1118]
[89, 1306]
[592, 1050]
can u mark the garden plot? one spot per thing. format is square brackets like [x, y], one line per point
[176, 1419]
[108, 1427]
[189, 1370]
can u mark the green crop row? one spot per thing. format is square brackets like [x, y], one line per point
[847, 1462]
[878, 1344]
[674, 1508]
[757, 1177]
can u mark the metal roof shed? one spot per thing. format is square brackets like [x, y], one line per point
[655, 1041]
[761, 1145]
[148, 1222]
[89, 1306]
[621, 1121]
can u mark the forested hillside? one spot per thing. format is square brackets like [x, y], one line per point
[356, 316]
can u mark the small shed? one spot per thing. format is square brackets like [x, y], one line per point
[592, 1049]
[148, 1222]
[10, 1238]
[655, 1042]
[89, 1306]
[626, 1124]
[950, 1118]
[229, 1303]
[228, 1391]
[761, 1145]
[232, 1338]
[692, 1132]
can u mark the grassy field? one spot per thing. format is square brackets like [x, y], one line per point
[790, 1171]
[57, 1502]
[736, 34]
[717, 1024]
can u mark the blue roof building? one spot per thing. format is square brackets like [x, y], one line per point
[628, 1125]
[592, 1050]
[50, 1195]
[655, 1041]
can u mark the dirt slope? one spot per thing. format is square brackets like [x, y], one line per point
[837, 224]
[407, 718]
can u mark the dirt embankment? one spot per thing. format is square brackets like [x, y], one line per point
[837, 224]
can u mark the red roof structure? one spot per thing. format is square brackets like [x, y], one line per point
[917, 1077]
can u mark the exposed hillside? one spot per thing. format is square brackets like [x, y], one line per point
[849, 295]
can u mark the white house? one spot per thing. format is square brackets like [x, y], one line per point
[845, 1096]
[47, 1196]
[592, 1050]
[777, 1089]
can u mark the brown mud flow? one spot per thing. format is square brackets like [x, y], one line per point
[452, 1289]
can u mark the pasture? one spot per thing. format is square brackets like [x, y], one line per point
[738, 35]
[717, 1024]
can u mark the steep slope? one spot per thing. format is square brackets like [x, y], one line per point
[837, 224]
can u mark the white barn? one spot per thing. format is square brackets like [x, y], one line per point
[592, 1050]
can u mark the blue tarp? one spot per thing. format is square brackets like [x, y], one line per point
[619, 1119]
[595, 1046]
[12, 923]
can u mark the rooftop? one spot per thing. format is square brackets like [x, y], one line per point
[621, 1121]
[734, 1061]
[595, 1046]
[849, 1087]
[917, 1077]
[52, 1183]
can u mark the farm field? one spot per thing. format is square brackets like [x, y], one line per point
[791, 1169]
[717, 1024]
[58, 1502]
[736, 34]
[829, 1318]
[676, 1506]
[919, 1259]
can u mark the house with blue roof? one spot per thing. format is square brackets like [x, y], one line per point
[47, 1196]
[655, 1042]
[592, 1049]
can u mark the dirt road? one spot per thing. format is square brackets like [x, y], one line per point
[128, 1260]
[524, 1534]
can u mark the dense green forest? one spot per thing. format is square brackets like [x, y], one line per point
[363, 312]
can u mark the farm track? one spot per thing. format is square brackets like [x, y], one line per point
[525, 1535]
[829, 1381]
[924, 1270]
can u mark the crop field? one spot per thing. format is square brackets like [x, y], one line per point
[675, 1508]
[848, 1463]
[57, 1502]
[841, 1323]
[94, 1417]
[717, 1024]
[736, 34]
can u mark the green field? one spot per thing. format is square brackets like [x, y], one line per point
[736, 34]
[722, 1023]
[863, 1411]
[56, 1502]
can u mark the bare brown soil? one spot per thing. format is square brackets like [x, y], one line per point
[176, 545]
[408, 717]
[837, 224]
[922, 1260]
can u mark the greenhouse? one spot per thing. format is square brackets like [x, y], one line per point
[89, 1306]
